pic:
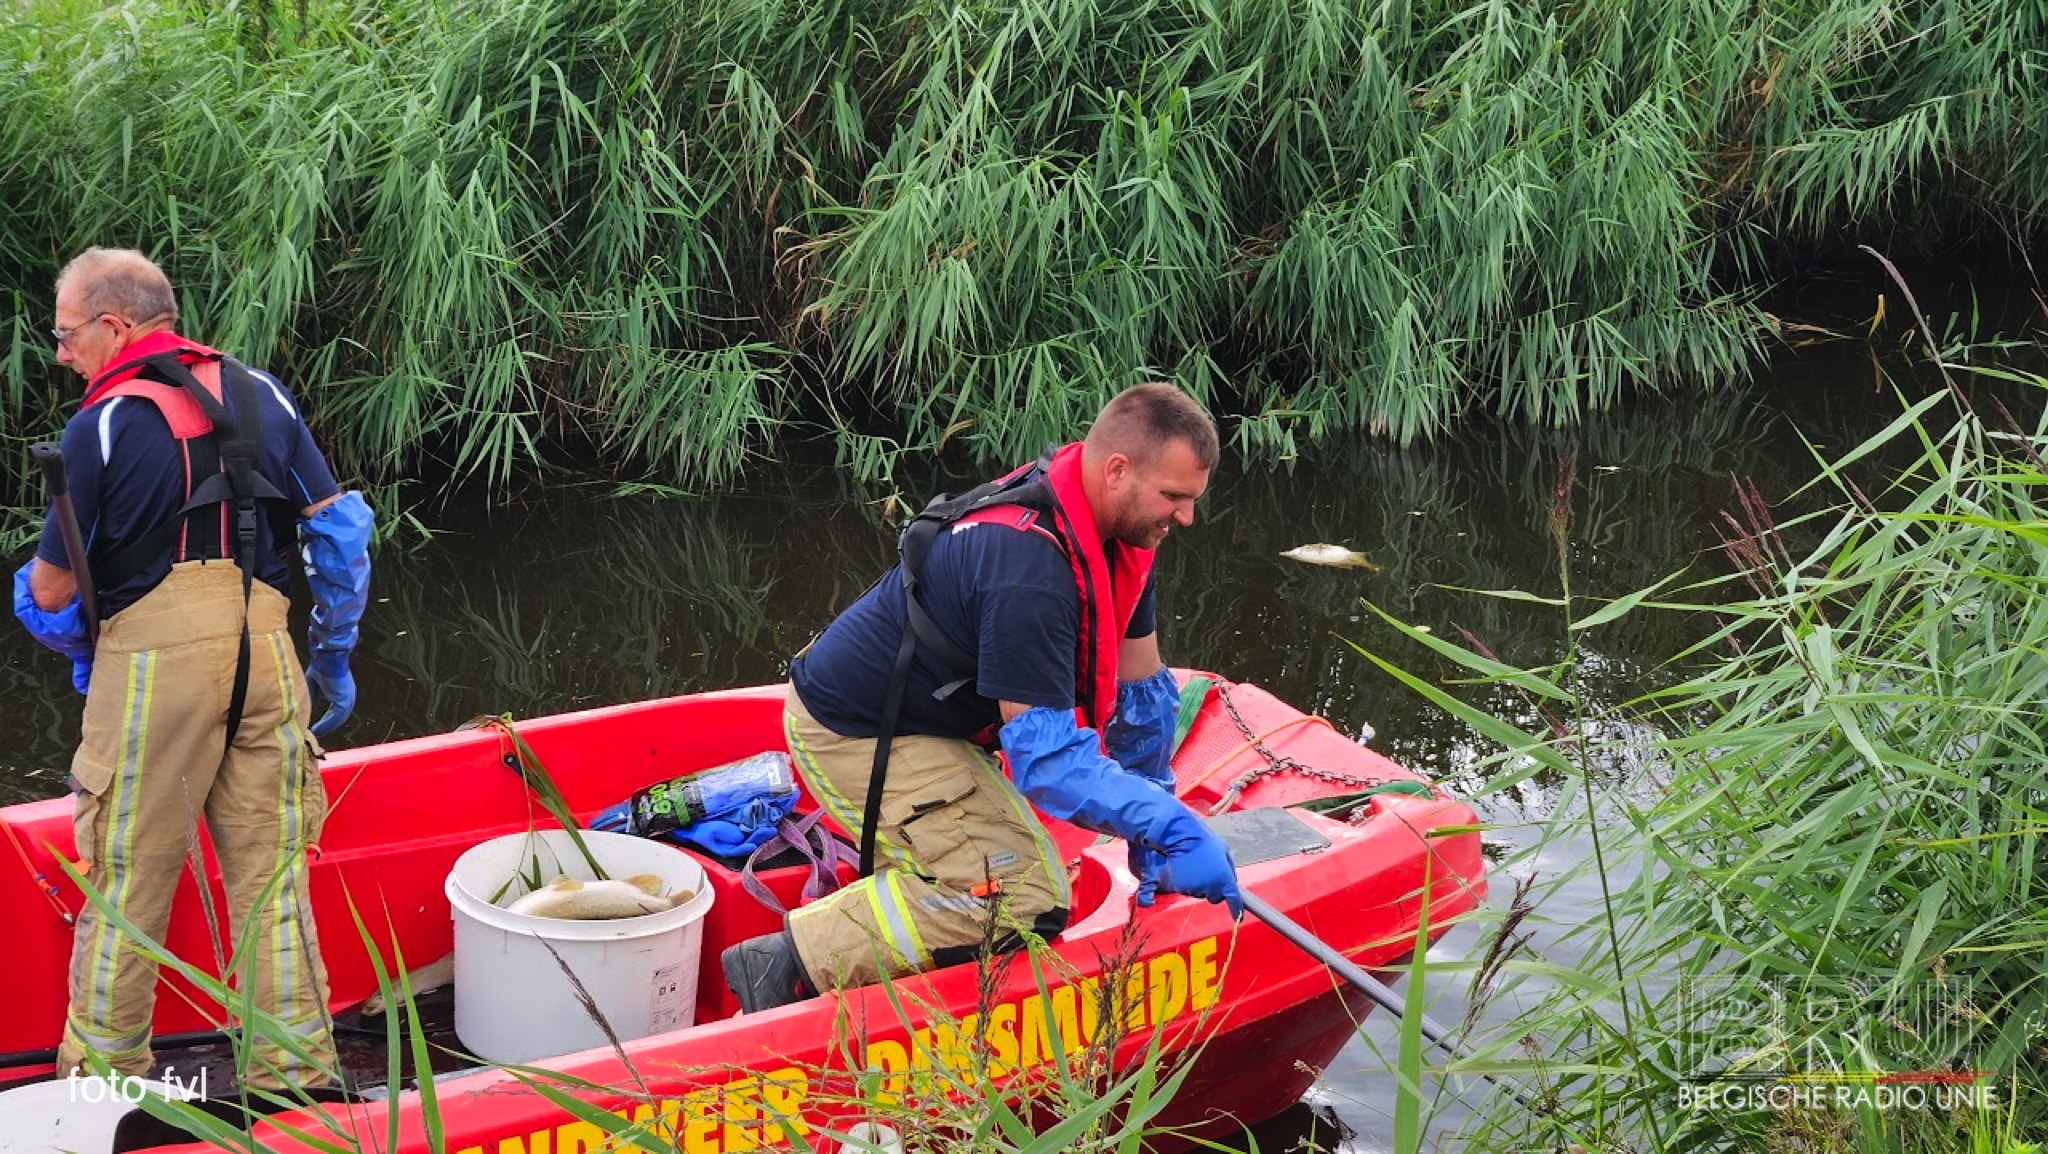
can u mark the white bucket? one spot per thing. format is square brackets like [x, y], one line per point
[514, 1004]
[77, 1113]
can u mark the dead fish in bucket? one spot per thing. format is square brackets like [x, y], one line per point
[581, 901]
[1336, 556]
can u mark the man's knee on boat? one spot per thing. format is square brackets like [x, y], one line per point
[1015, 927]
[896, 923]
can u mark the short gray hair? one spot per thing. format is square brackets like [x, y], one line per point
[123, 282]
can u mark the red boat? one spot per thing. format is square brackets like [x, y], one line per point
[1252, 1017]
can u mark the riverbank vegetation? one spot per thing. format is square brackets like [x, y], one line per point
[668, 237]
[1821, 855]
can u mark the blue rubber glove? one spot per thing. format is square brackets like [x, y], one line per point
[1140, 739]
[327, 675]
[1141, 734]
[1191, 861]
[1060, 766]
[1145, 865]
[335, 543]
[60, 629]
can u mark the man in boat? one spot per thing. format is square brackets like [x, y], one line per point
[1021, 616]
[191, 478]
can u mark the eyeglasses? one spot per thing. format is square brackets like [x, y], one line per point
[66, 336]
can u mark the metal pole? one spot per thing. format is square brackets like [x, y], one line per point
[1373, 988]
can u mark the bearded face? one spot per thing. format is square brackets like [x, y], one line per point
[1146, 502]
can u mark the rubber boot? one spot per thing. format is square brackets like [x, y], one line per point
[766, 972]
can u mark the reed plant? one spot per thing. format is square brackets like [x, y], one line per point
[482, 241]
[1819, 854]
[962, 1099]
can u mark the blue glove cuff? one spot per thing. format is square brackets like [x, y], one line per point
[1149, 697]
[60, 629]
[336, 549]
[1140, 736]
[1060, 766]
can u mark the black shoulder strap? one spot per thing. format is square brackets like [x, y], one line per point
[240, 481]
[216, 485]
[1025, 487]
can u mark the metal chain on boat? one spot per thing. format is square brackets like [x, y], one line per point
[1277, 763]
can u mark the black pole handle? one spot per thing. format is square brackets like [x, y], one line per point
[50, 459]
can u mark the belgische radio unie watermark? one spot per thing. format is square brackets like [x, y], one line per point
[1820, 1044]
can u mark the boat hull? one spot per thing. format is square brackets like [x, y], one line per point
[1246, 1019]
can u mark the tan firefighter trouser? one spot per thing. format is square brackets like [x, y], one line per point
[960, 859]
[150, 765]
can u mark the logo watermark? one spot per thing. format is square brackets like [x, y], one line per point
[92, 1089]
[1887, 1092]
[1814, 1044]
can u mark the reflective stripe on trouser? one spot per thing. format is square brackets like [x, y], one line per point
[952, 824]
[150, 765]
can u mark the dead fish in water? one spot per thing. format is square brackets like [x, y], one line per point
[1336, 556]
[581, 901]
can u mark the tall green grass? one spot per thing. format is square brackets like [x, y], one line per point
[484, 239]
[1822, 852]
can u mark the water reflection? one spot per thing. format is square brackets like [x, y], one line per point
[577, 598]
[1439, 521]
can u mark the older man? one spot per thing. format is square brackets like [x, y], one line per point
[192, 476]
[1022, 616]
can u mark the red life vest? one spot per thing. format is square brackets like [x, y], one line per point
[1109, 585]
[181, 411]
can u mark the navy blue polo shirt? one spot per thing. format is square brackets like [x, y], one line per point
[127, 474]
[1004, 597]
